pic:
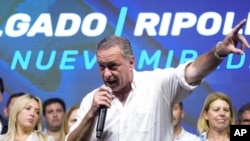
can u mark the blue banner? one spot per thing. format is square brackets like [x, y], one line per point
[48, 46]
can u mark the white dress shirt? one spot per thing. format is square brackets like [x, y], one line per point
[147, 113]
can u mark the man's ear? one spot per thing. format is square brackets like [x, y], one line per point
[182, 114]
[132, 61]
[1, 97]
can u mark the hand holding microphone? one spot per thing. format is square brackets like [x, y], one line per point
[102, 116]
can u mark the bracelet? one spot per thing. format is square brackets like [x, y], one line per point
[218, 56]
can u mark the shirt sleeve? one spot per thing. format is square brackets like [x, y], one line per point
[173, 84]
[84, 108]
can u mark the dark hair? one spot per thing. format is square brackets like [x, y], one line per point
[1, 85]
[111, 41]
[51, 101]
[14, 95]
[243, 108]
[181, 105]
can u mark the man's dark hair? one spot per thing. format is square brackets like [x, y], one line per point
[122, 42]
[51, 101]
[14, 95]
[243, 108]
[1, 85]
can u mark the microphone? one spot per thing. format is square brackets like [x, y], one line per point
[101, 120]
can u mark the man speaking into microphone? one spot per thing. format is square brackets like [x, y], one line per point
[140, 106]
[101, 119]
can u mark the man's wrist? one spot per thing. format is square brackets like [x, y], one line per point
[217, 55]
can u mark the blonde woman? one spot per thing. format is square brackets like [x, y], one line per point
[69, 120]
[215, 119]
[25, 121]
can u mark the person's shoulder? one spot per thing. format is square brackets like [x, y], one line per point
[47, 137]
[2, 136]
[187, 136]
[4, 123]
[36, 135]
[155, 73]
[203, 136]
[191, 135]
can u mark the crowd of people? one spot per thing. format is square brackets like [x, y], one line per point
[142, 106]
[23, 114]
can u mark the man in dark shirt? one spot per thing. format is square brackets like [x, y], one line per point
[3, 122]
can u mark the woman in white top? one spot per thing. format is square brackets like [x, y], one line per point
[215, 119]
[25, 121]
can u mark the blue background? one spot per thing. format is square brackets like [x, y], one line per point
[72, 85]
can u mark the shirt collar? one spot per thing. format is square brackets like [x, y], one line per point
[135, 78]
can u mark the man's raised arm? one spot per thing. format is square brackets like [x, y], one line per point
[209, 61]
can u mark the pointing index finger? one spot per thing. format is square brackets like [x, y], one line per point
[238, 26]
